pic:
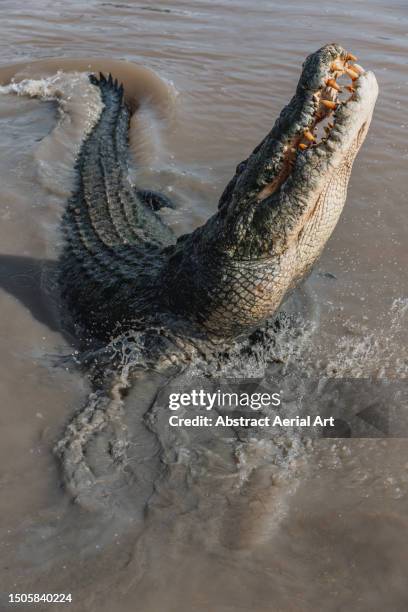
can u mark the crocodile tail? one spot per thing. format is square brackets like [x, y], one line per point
[108, 229]
[105, 208]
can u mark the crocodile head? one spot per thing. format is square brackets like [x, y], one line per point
[283, 203]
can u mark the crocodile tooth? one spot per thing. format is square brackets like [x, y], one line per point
[333, 84]
[353, 75]
[357, 68]
[329, 104]
[308, 134]
[337, 66]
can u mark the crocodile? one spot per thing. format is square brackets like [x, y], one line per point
[122, 264]
[149, 300]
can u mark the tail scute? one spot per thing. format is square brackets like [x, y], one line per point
[108, 83]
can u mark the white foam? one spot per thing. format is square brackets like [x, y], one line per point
[79, 106]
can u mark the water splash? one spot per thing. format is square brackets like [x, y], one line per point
[79, 106]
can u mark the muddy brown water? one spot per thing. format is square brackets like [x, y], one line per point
[328, 530]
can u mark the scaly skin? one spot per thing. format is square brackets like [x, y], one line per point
[121, 263]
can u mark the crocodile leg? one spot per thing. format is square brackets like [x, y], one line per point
[154, 199]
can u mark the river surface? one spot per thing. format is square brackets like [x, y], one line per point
[322, 525]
